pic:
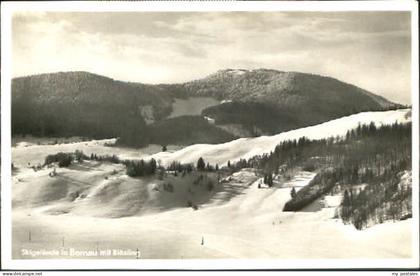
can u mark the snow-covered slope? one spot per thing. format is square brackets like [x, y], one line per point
[212, 153]
[249, 147]
[238, 221]
[249, 225]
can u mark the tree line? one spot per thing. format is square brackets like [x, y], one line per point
[371, 155]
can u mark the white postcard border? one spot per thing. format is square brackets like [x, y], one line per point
[203, 6]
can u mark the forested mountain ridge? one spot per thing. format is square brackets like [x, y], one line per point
[85, 104]
[293, 98]
[285, 88]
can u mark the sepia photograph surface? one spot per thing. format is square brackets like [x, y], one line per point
[277, 136]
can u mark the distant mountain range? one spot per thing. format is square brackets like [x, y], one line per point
[247, 103]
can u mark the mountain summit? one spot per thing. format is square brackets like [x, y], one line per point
[284, 88]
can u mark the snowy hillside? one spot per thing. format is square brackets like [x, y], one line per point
[249, 147]
[212, 153]
[96, 205]
[246, 224]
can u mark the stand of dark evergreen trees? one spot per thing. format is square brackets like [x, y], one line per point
[370, 155]
[386, 197]
[321, 184]
[375, 157]
[65, 159]
[140, 167]
[134, 168]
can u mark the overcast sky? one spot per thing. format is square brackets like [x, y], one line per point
[368, 49]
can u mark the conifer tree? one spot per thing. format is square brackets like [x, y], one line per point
[201, 165]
